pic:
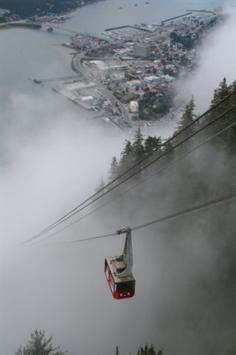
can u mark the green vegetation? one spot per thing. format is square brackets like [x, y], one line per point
[133, 152]
[181, 179]
[148, 350]
[187, 40]
[153, 106]
[140, 148]
[188, 115]
[27, 8]
[228, 139]
[39, 345]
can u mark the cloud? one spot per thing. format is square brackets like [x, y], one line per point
[217, 58]
[52, 157]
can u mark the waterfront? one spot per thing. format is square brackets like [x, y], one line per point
[37, 54]
[108, 13]
[129, 74]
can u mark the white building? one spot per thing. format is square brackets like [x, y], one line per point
[133, 106]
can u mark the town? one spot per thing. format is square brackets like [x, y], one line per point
[126, 76]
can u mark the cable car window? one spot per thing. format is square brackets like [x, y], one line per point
[125, 286]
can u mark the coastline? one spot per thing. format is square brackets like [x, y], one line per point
[20, 24]
[12, 15]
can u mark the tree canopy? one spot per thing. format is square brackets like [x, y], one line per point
[149, 350]
[39, 345]
[134, 152]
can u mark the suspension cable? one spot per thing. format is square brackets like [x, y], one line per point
[104, 188]
[187, 211]
[134, 186]
[144, 167]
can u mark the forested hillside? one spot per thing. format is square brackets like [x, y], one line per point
[195, 268]
[141, 148]
[26, 8]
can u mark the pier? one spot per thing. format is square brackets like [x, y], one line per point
[127, 26]
[210, 12]
[176, 17]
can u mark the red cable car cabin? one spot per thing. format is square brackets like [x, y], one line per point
[118, 270]
[120, 287]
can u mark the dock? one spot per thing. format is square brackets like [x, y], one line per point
[127, 26]
[48, 80]
[211, 12]
[176, 17]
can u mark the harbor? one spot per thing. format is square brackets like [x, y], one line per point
[112, 63]
[127, 75]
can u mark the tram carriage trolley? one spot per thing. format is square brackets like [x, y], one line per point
[118, 270]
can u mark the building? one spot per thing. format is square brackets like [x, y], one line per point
[133, 107]
[141, 51]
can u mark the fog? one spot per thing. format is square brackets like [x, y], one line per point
[53, 156]
[48, 167]
[217, 57]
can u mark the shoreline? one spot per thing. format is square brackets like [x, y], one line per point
[20, 24]
[11, 16]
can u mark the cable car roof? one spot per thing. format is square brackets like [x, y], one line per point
[113, 266]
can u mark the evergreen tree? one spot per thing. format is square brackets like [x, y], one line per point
[229, 137]
[39, 345]
[148, 350]
[188, 115]
[127, 151]
[138, 148]
[233, 87]
[221, 92]
[114, 169]
[152, 144]
[126, 156]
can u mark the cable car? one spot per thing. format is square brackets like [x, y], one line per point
[118, 270]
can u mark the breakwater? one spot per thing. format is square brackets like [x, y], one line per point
[20, 24]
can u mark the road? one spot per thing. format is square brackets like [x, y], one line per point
[78, 65]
